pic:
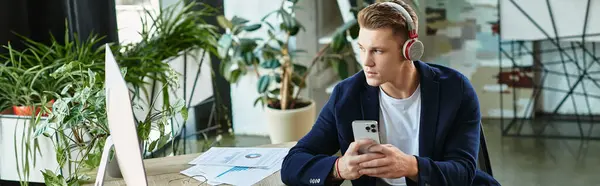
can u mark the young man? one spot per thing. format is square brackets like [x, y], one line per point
[428, 115]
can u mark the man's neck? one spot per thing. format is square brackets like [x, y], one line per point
[403, 85]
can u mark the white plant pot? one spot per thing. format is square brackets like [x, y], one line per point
[290, 125]
[45, 159]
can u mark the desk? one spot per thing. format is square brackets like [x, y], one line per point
[162, 170]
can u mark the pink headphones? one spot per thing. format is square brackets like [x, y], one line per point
[413, 48]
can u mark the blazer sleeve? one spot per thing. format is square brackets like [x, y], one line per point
[461, 146]
[310, 161]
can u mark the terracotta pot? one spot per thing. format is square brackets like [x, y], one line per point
[27, 110]
[6, 111]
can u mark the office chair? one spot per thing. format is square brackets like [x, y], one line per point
[483, 160]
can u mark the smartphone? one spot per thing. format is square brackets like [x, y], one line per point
[366, 129]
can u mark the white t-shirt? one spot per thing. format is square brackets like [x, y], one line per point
[399, 121]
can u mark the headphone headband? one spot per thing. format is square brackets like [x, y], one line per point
[412, 30]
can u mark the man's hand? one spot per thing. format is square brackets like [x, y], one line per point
[348, 165]
[395, 164]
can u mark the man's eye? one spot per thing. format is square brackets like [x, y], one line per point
[378, 51]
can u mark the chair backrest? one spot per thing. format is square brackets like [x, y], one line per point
[483, 160]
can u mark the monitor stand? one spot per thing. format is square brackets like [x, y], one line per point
[112, 167]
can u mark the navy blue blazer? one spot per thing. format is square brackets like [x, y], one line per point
[449, 130]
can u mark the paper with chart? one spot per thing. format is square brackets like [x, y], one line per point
[236, 166]
[243, 157]
[216, 175]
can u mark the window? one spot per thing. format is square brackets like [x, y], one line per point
[129, 13]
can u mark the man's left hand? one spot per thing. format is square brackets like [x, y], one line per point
[395, 164]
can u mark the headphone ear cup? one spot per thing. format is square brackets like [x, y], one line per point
[413, 49]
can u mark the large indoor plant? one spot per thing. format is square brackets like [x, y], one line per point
[281, 77]
[77, 123]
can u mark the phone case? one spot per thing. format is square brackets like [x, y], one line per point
[366, 129]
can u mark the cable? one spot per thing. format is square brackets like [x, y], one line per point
[188, 180]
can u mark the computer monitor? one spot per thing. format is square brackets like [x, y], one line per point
[121, 123]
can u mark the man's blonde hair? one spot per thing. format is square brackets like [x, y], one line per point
[380, 15]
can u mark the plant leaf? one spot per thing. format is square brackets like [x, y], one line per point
[297, 80]
[259, 99]
[237, 29]
[225, 69]
[224, 23]
[275, 92]
[338, 42]
[268, 52]
[263, 83]
[340, 67]
[294, 30]
[251, 28]
[224, 44]
[354, 31]
[41, 129]
[238, 20]
[53, 179]
[184, 113]
[270, 64]
[247, 45]
[300, 69]
[235, 75]
[339, 37]
[249, 58]
[152, 145]
[277, 77]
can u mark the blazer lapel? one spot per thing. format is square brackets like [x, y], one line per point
[370, 103]
[429, 109]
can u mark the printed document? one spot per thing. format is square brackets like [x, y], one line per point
[216, 175]
[236, 166]
[243, 157]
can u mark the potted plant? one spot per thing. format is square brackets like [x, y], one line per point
[33, 79]
[280, 76]
[73, 75]
[25, 89]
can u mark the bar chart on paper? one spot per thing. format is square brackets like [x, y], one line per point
[234, 169]
[216, 175]
[236, 166]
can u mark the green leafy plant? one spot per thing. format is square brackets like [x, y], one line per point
[172, 32]
[280, 86]
[26, 77]
[32, 78]
[39, 74]
[72, 73]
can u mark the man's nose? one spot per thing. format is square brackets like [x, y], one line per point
[368, 61]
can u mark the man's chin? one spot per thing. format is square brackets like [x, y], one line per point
[373, 82]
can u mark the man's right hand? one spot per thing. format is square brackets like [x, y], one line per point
[348, 164]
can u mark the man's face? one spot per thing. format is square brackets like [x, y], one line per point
[380, 54]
